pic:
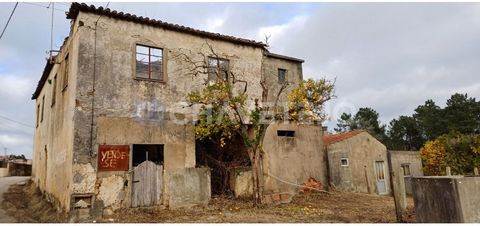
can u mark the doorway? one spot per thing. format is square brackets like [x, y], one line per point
[147, 183]
[380, 177]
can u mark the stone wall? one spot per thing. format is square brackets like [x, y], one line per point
[289, 161]
[446, 199]
[187, 187]
[362, 151]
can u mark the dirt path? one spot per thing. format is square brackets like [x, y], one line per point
[5, 183]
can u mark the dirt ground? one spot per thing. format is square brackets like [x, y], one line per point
[26, 204]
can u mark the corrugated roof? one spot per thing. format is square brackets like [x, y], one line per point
[334, 138]
[76, 7]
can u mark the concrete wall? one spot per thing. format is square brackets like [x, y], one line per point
[187, 187]
[241, 182]
[3, 172]
[446, 199]
[293, 159]
[407, 157]
[53, 137]
[362, 151]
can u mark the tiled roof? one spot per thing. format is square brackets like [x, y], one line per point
[334, 138]
[75, 8]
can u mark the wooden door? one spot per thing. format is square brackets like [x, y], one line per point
[147, 184]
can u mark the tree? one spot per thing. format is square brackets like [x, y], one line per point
[404, 134]
[367, 119]
[345, 123]
[430, 120]
[462, 114]
[306, 102]
[226, 114]
[459, 151]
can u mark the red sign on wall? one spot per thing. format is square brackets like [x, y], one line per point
[113, 157]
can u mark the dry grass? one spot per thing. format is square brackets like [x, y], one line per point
[26, 204]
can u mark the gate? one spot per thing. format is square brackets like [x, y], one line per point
[380, 177]
[147, 184]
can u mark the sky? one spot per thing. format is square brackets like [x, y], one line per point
[387, 56]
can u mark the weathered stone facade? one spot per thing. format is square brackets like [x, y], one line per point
[105, 103]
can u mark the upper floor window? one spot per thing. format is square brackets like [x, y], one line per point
[149, 63]
[282, 75]
[65, 75]
[38, 114]
[218, 68]
[54, 89]
[43, 108]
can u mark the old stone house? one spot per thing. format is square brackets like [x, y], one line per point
[357, 162]
[114, 96]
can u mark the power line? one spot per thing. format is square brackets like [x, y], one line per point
[20, 123]
[45, 7]
[8, 21]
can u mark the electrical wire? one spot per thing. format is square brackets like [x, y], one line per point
[8, 21]
[20, 123]
[45, 7]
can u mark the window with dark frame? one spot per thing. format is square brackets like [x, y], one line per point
[38, 114]
[285, 133]
[43, 107]
[282, 75]
[218, 68]
[406, 169]
[344, 161]
[149, 63]
[54, 90]
[65, 74]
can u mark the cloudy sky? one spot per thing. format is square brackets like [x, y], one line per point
[388, 56]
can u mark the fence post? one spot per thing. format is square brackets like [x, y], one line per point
[475, 171]
[449, 171]
[397, 183]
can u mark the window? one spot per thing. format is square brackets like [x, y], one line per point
[150, 152]
[65, 74]
[54, 90]
[285, 133]
[217, 69]
[149, 63]
[406, 169]
[282, 75]
[344, 161]
[43, 107]
[38, 114]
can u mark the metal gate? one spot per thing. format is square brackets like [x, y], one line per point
[147, 184]
[380, 177]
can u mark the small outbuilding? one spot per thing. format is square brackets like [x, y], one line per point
[410, 163]
[357, 162]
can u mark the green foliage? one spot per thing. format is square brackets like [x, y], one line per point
[306, 102]
[458, 151]
[404, 134]
[366, 118]
[220, 114]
